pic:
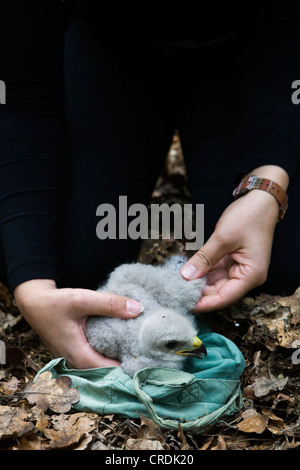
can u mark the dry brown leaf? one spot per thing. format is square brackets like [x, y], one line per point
[274, 320]
[206, 445]
[10, 387]
[253, 422]
[84, 442]
[42, 420]
[290, 445]
[14, 422]
[293, 302]
[248, 392]
[272, 416]
[149, 430]
[109, 417]
[237, 443]
[8, 320]
[221, 444]
[275, 423]
[68, 430]
[56, 394]
[182, 437]
[143, 444]
[150, 437]
[99, 445]
[31, 443]
[263, 385]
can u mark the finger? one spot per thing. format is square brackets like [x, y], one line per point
[88, 358]
[205, 259]
[212, 289]
[88, 302]
[220, 271]
[79, 354]
[227, 293]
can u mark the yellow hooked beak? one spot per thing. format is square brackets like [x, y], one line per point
[197, 342]
[197, 350]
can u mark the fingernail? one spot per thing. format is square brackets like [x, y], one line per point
[134, 307]
[189, 271]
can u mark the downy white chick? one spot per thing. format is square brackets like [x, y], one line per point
[165, 333]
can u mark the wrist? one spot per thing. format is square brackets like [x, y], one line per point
[270, 179]
[26, 292]
[272, 172]
[262, 203]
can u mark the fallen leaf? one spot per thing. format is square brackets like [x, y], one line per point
[253, 422]
[42, 420]
[221, 444]
[56, 394]
[285, 337]
[109, 417]
[31, 443]
[275, 423]
[149, 437]
[263, 385]
[274, 320]
[99, 445]
[290, 445]
[293, 302]
[206, 445]
[14, 422]
[143, 444]
[68, 430]
[10, 387]
[182, 437]
[8, 321]
[237, 443]
[149, 429]
[84, 442]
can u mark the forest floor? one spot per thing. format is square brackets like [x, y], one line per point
[265, 328]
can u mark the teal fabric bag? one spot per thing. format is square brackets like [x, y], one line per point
[198, 397]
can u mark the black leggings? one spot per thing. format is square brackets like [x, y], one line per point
[123, 105]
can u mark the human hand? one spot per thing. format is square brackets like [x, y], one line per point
[236, 257]
[58, 316]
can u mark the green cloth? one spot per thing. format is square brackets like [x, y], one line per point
[205, 392]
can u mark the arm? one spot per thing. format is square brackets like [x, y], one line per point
[32, 149]
[237, 255]
[32, 137]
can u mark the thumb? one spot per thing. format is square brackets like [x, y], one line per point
[91, 302]
[205, 259]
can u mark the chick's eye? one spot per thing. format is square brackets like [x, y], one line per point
[171, 344]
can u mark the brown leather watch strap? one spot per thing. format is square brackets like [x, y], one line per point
[255, 182]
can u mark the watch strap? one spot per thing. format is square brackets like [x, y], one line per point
[255, 182]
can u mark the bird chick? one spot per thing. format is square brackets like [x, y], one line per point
[165, 333]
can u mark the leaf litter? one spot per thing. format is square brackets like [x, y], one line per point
[39, 415]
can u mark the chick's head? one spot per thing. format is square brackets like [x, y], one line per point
[168, 335]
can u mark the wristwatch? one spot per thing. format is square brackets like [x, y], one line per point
[255, 182]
